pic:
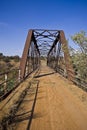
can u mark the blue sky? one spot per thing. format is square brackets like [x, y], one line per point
[18, 16]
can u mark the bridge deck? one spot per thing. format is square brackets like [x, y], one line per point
[57, 107]
[60, 105]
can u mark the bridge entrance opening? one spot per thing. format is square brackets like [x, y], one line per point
[48, 44]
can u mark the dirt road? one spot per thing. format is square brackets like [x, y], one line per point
[58, 107]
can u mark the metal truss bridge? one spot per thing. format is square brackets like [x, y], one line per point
[51, 44]
[42, 94]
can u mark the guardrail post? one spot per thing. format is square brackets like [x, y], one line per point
[19, 75]
[5, 84]
[65, 73]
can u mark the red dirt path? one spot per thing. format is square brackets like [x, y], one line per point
[57, 106]
[60, 105]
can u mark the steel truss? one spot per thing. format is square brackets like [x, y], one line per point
[48, 43]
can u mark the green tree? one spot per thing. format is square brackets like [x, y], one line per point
[16, 58]
[6, 59]
[81, 40]
[1, 54]
[79, 58]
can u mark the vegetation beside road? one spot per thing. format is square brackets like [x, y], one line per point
[8, 62]
[79, 56]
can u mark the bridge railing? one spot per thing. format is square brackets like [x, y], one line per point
[8, 81]
[62, 70]
[30, 61]
[76, 80]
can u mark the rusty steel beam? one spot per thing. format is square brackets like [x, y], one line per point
[54, 43]
[68, 64]
[35, 43]
[62, 40]
[25, 53]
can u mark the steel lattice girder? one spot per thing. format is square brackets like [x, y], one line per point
[30, 38]
[45, 41]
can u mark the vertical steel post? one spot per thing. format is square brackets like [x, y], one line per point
[25, 53]
[68, 64]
